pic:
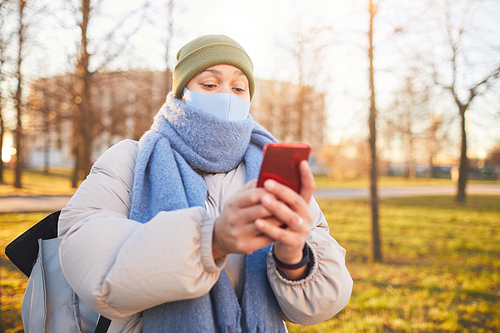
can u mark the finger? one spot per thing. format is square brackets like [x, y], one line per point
[277, 234]
[288, 196]
[244, 238]
[247, 198]
[254, 241]
[283, 212]
[251, 213]
[307, 184]
[274, 221]
[250, 184]
[299, 224]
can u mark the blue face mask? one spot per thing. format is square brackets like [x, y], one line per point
[222, 105]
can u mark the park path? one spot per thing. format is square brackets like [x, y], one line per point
[14, 204]
[405, 191]
[52, 203]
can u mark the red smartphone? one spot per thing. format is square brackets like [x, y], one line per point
[281, 163]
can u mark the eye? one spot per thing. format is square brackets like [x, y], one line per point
[209, 85]
[239, 90]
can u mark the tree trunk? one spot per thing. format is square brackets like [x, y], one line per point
[168, 42]
[76, 168]
[2, 130]
[431, 167]
[375, 251]
[300, 113]
[19, 143]
[83, 104]
[432, 147]
[463, 170]
[2, 127]
[46, 127]
[87, 143]
[18, 97]
[76, 141]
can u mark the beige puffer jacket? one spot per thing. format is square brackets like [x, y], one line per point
[120, 267]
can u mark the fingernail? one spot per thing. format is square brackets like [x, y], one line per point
[270, 184]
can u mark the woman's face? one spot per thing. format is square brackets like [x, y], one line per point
[221, 79]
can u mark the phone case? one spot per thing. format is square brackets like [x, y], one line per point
[281, 163]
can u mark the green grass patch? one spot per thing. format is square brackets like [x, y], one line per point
[440, 270]
[384, 181]
[37, 183]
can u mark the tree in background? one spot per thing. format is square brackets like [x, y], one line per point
[87, 120]
[274, 105]
[306, 46]
[18, 18]
[465, 61]
[495, 158]
[375, 246]
[409, 118]
[3, 43]
[435, 139]
[48, 104]
[21, 34]
[348, 160]
[168, 44]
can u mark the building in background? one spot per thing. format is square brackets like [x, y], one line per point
[292, 113]
[125, 103]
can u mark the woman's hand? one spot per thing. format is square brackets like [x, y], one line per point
[290, 209]
[234, 230]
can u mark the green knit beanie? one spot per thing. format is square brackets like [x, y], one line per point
[206, 51]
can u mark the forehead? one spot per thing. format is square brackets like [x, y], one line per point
[223, 70]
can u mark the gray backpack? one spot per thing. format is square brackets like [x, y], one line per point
[49, 303]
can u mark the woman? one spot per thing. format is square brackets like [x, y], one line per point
[171, 234]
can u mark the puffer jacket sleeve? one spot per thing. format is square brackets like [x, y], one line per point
[119, 266]
[325, 290]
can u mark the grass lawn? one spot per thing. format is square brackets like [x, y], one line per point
[441, 269]
[36, 183]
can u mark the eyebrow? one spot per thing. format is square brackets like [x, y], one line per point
[238, 72]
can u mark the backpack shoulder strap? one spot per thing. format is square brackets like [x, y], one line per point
[23, 250]
[102, 325]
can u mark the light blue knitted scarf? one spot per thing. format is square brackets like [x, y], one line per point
[182, 138]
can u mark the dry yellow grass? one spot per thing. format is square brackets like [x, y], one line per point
[36, 183]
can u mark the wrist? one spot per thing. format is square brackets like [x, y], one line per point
[217, 254]
[217, 249]
[210, 262]
[297, 265]
[287, 255]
